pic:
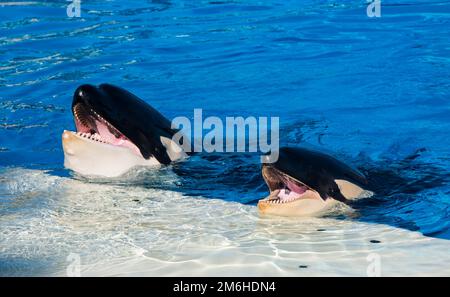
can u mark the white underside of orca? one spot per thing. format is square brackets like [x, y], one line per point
[90, 157]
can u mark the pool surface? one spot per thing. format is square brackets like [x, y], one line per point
[373, 91]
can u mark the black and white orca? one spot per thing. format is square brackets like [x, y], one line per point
[115, 131]
[306, 182]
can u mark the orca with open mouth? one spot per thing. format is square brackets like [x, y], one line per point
[306, 182]
[116, 131]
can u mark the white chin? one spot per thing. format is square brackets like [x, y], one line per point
[298, 208]
[92, 158]
[310, 204]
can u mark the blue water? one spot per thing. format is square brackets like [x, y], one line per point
[375, 91]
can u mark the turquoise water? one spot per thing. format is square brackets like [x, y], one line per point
[375, 91]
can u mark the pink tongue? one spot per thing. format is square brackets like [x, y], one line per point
[110, 138]
[106, 135]
[293, 191]
[296, 188]
[288, 195]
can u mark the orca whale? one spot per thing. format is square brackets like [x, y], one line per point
[306, 182]
[116, 131]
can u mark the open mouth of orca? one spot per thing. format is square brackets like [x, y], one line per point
[284, 188]
[92, 126]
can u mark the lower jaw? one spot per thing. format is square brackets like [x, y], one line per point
[98, 138]
[95, 159]
[309, 205]
[93, 137]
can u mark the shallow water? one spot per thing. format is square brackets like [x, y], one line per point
[374, 91]
[117, 230]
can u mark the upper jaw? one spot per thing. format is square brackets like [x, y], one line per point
[89, 123]
[86, 119]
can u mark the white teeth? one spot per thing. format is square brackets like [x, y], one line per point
[99, 117]
[94, 137]
[281, 201]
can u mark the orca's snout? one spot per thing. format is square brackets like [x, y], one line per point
[85, 94]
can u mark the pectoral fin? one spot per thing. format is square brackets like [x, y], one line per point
[174, 151]
[351, 191]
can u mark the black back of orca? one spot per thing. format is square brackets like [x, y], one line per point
[317, 170]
